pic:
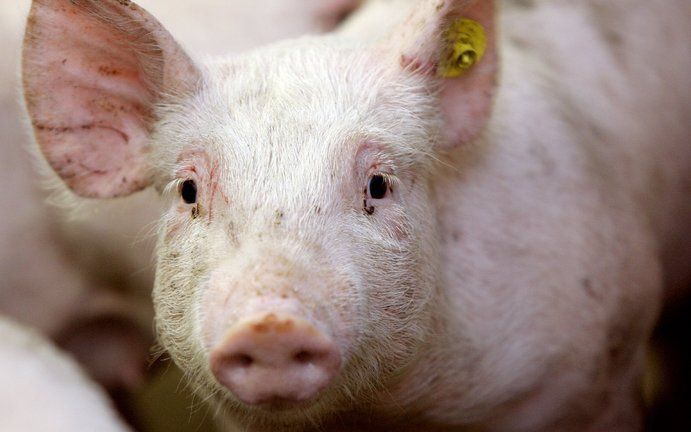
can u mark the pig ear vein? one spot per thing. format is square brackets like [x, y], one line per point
[93, 73]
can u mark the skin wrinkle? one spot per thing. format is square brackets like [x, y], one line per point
[66, 129]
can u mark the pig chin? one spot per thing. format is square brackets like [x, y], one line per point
[282, 415]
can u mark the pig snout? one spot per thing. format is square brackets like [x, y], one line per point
[275, 359]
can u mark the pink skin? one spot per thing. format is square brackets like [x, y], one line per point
[196, 165]
[510, 287]
[101, 98]
[371, 159]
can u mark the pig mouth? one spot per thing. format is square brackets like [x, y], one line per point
[287, 409]
[287, 414]
[281, 414]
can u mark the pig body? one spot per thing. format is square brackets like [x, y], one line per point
[574, 210]
[360, 235]
[88, 266]
[45, 390]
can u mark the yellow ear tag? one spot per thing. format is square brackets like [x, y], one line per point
[465, 44]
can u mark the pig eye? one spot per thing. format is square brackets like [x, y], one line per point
[377, 186]
[188, 191]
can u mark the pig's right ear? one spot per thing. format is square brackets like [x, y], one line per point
[93, 71]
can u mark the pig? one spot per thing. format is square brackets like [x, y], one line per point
[44, 390]
[464, 219]
[91, 272]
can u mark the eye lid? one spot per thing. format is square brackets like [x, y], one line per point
[390, 178]
[382, 165]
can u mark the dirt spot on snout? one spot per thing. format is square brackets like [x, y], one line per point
[271, 323]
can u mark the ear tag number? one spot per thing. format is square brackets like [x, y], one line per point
[465, 44]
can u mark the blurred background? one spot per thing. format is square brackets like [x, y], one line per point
[83, 277]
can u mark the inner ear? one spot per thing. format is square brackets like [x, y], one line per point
[93, 73]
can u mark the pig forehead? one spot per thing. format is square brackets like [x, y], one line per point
[299, 94]
[304, 70]
[311, 94]
[300, 109]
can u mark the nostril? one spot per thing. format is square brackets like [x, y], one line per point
[303, 356]
[240, 360]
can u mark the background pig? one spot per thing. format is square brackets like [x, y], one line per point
[43, 390]
[85, 277]
[355, 237]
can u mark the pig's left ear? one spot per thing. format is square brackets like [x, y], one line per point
[93, 72]
[453, 42]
